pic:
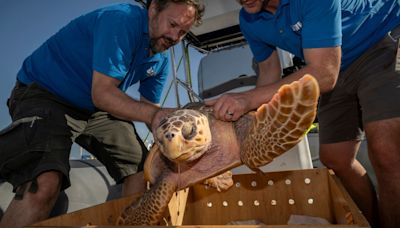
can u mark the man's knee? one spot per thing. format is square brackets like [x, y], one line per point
[338, 156]
[385, 159]
[45, 188]
[383, 145]
[329, 160]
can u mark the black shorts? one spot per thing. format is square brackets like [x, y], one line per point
[44, 129]
[367, 91]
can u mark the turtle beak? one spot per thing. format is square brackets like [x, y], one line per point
[171, 146]
[182, 157]
[175, 151]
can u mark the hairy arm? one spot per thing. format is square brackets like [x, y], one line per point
[108, 97]
[322, 63]
[240, 103]
[269, 70]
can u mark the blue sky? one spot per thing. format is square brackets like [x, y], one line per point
[26, 24]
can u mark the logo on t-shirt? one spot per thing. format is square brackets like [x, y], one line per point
[297, 27]
[150, 72]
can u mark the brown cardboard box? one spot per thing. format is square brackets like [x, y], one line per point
[271, 199]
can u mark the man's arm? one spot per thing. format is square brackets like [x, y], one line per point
[269, 70]
[322, 63]
[108, 97]
[160, 114]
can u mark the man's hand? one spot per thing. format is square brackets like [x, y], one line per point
[230, 106]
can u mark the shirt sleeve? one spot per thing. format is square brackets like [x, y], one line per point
[151, 87]
[115, 38]
[260, 49]
[321, 23]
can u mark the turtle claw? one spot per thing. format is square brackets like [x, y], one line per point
[281, 123]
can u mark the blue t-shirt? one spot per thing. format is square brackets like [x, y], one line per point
[114, 41]
[356, 25]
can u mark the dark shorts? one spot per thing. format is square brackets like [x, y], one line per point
[369, 90]
[44, 129]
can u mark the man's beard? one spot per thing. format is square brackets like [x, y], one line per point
[157, 47]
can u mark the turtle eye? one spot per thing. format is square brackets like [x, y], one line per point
[188, 131]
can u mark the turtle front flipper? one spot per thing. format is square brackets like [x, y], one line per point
[281, 123]
[150, 208]
[154, 165]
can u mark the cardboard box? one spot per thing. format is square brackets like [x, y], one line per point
[270, 198]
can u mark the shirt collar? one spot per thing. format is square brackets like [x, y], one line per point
[281, 4]
[145, 16]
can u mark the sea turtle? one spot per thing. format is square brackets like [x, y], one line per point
[192, 145]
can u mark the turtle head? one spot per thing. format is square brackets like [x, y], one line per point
[184, 135]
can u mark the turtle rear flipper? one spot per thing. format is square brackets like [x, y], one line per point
[281, 123]
[150, 207]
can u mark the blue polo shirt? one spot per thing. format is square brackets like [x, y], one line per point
[355, 25]
[114, 41]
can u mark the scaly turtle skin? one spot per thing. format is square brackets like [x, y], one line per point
[185, 153]
[184, 135]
